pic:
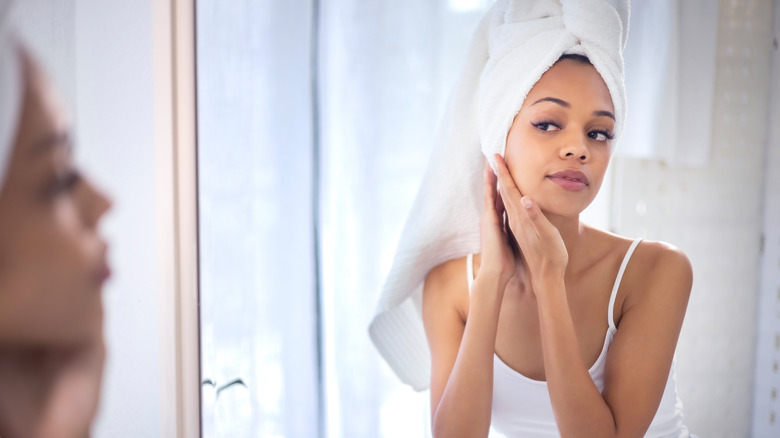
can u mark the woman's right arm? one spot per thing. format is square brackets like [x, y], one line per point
[462, 347]
[461, 352]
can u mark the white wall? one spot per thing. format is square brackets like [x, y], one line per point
[715, 214]
[99, 55]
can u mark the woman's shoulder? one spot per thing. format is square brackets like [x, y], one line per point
[658, 269]
[446, 284]
[658, 258]
[447, 272]
[648, 256]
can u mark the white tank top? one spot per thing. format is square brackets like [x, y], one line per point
[522, 406]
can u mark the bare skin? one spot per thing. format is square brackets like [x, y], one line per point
[542, 308]
[52, 270]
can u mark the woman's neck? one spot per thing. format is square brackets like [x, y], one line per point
[573, 233]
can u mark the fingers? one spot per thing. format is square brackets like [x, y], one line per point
[531, 214]
[507, 185]
[527, 229]
[489, 188]
[490, 176]
[500, 209]
[522, 208]
[508, 193]
[511, 239]
[535, 219]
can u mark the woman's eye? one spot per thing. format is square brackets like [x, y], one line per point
[600, 135]
[546, 126]
[67, 182]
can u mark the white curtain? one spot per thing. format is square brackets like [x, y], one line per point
[386, 70]
[256, 226]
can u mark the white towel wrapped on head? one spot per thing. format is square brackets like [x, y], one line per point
[514, 44]
[11, 91]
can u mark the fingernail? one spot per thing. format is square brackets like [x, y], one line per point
[526, 201]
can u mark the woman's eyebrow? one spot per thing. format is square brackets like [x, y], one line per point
[560, 102]
[565, 104]
[55, 139]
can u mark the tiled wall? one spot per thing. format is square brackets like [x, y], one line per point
[766, 406]
[716, 215]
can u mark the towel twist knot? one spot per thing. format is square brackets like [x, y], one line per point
[525, 37]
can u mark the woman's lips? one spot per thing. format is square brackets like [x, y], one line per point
[103, 274]
[103, 271]
[572, 180]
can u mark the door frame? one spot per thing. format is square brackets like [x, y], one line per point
[175, 134]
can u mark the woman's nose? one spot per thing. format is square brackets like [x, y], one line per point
[95, 203]
[575, 147]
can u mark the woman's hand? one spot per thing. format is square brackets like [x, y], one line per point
[498, 259]
[540, 243]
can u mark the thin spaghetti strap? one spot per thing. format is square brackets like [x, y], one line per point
[470, 270]
[611, 310]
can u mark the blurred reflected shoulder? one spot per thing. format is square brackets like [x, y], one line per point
[52, 262]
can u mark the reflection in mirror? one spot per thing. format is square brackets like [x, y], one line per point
[316, 121]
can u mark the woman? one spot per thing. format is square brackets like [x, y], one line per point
[52, 263]
[552, 327]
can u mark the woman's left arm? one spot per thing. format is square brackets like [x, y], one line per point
[639, 357]
[641, 352]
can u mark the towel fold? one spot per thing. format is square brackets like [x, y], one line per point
[11, 90]
[514, 44]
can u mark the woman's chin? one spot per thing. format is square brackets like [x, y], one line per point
[561, 208]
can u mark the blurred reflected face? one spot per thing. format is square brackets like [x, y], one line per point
[558, 147]
[52, 258]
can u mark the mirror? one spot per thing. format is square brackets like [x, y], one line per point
[315, 121]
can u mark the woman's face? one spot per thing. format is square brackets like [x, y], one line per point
[52, 257]
[559, 144]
